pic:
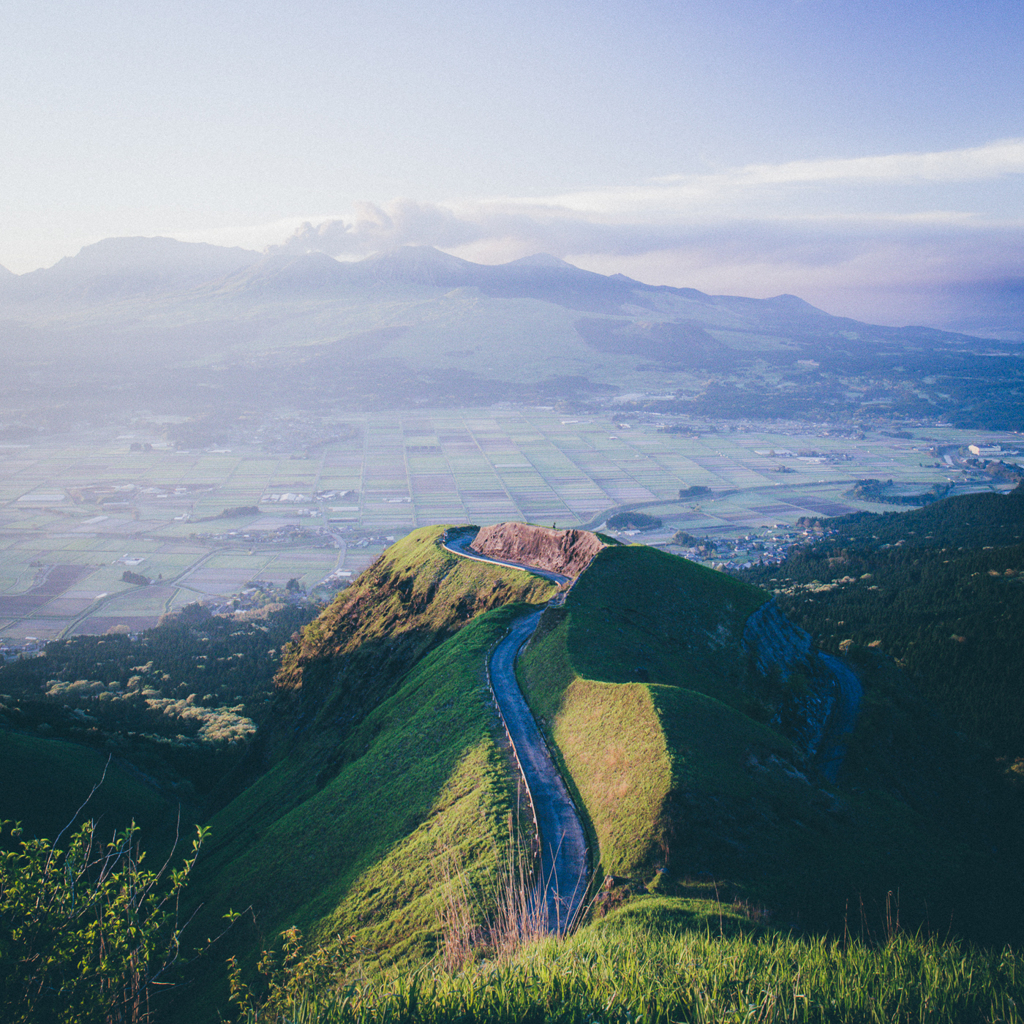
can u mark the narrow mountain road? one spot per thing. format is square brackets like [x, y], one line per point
[564, 867]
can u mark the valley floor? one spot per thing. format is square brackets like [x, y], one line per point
[75, 516]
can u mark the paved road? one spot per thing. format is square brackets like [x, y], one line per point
[564, 865]
[564, 871]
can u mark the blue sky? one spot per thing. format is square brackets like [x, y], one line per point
[864, 156]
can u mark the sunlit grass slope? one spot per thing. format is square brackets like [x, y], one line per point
[410, 600]
[643, 963]
[424, 783]
[638, 622]
[387, 775]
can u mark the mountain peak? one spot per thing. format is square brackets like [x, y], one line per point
[120, 267]
[132, 253]
[419, 264]
[542, 260]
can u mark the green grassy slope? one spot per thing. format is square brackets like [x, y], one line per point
[644, 963]
[353, 654]
[637, 616]
[655, 712]
[387, 773]
[411, 599]
[641, 615]
[425, 778]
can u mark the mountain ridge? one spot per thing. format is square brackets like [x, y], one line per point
[165, 259]
[169, 317]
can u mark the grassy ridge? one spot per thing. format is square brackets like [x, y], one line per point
[384, 772]
[610, 745]
[424, 791]
[414, 760]
[641, 615]
[605, 676]
[683, 787]
[353, 654]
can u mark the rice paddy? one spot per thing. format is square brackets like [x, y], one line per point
[74, 517]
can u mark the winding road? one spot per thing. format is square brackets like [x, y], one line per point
[563, 874]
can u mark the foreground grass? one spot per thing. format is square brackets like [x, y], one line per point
[620, 971]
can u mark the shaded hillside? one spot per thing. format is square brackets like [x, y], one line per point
[47, 786]
[940, 589]
[687, 754]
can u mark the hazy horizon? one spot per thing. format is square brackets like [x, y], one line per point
[868, 160]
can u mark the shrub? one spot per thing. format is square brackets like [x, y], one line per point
[86, 933]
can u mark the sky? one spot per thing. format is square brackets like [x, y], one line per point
[868, 157]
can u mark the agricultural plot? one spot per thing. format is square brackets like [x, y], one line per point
[202, 525]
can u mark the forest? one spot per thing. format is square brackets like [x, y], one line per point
[181, 700]
[940, 590]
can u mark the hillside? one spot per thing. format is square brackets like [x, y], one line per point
[696, 728]
[690, 719]
[696, 771]
[939, 589]
[178, 324]
[383, 772]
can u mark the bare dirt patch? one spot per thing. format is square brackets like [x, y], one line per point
[563, 551]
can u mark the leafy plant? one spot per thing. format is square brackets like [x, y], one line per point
[87, 933]
[287, 977]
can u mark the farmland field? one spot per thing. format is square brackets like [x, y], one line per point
[74, 518]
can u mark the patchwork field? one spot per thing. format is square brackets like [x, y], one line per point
[75, 518]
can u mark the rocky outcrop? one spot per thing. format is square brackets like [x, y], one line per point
[563, 551]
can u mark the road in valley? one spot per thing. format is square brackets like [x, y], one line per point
[563, 872]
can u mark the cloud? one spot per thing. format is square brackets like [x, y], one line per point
[786, 189]
[972, 164]
[371, 228]
[836, 232]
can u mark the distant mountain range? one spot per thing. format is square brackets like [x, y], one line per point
[415, 326]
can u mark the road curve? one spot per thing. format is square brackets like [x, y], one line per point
[563, 873]
[460, 545]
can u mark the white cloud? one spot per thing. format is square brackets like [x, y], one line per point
[836, 232]
[972, 164]
[891, 183]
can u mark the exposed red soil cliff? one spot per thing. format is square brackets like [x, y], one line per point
[566, 551]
